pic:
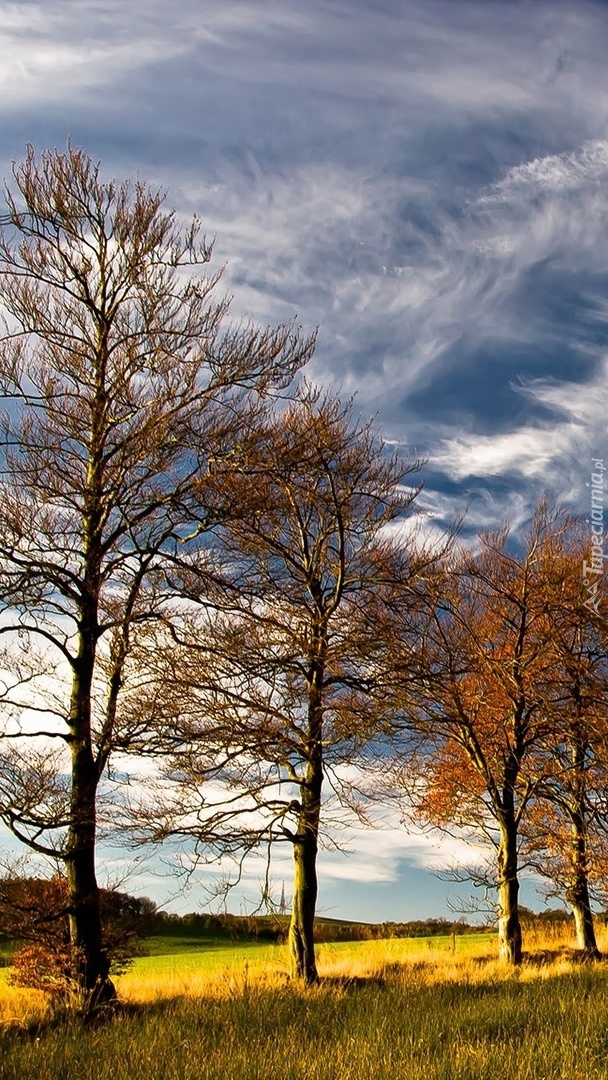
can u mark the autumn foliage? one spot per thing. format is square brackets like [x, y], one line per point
[195, 570]
[34, 912]
[506, 735]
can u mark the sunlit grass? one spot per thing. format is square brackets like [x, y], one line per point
[20, 1007]
[216, 971]
[425, 1009]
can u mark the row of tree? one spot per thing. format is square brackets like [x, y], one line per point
[467, 687]
[203, 570]
[504, 731]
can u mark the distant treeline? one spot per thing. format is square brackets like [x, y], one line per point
[275, 927]
[36, 910]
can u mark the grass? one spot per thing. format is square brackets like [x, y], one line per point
[205, 968]
[406, 1008]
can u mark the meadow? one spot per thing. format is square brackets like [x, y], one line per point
[422, 1009]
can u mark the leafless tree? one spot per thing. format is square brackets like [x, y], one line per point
[280, 688]
[122, 383]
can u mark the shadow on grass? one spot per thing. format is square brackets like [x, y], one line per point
[352, 982]
[577, 957]
[66, 1018]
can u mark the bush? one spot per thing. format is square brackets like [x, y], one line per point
[35, 913]
[40, 967]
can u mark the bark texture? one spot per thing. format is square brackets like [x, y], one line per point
[577, 894]
[301, 928]
[509, 926]
[305, 848]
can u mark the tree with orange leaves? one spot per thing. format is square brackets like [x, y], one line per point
[483, 663]
[565, 832]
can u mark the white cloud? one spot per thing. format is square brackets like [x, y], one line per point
[320, 235]
[558, 173]
[372, 856]
[318, 238]
[49, 52]
[527, 451]
[378, 854]
[562, 449]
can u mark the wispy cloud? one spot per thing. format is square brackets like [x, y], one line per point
[52, 51]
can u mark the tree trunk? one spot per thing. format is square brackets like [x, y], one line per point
[577, 894]
[306, 841]
[90, 963]
[509, 927]
[301, 928]
[306, 846]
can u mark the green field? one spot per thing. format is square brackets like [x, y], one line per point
[186, 956]
[190, 955]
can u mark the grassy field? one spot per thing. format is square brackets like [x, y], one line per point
[399, 1008]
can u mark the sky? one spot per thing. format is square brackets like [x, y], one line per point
[424, 180]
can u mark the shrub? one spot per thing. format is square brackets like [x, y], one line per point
[34, 912]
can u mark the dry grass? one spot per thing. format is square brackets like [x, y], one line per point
[19, 1007]
[420, 1009]
[469, 959]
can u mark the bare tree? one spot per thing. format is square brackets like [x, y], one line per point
[280, 688]
[122, 383]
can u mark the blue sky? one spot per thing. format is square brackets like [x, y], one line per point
[426, 180]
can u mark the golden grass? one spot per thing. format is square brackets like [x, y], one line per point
[20, 1007]
[422, 1008]
[470, 960]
